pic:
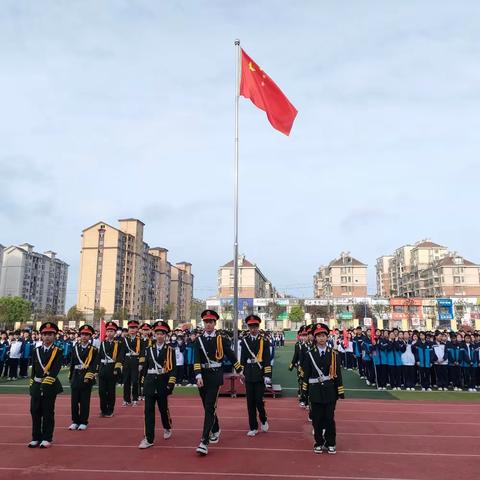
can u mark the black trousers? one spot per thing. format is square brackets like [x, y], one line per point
[13, 367]
[361, 367]
[130, 381]
[80, 403]
[441, 372]
[209, 396]
[150, 401]
[409, 376]
[424, 377]
[255, 403]
[455, 377]
[190, 374]
[382, 374]
[42, 409]
[106, 392]
[323, 419]
[468, 377]
[180, 374]
[24, 367]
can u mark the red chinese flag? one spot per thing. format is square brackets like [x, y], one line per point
[256, 85]
[345, 337]
[372, 332]
[103, 330]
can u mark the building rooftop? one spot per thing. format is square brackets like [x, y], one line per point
[346, 260]
[244, 263]
[130, 220]
[428, 244]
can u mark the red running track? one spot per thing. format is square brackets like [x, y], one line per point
[375, 441]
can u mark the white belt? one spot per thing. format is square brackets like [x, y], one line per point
[251, 360]
[318, 380]
[132, 354]
[38, 379]
[105, 361]
[211, 365]
[156, 371]
[78, 367]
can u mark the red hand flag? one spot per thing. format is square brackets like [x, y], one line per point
[256, 85]
[103, 330]
[345, 337]
[372, 332]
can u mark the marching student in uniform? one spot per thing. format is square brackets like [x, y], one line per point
[323, 375]
[44, 387]
[453, 353]
[109, 369]
[408, 363]
[82, 377]
[159, 383]
[295, 363]
[441, 361]
[133, 359]
[424, 357]
[468, 362]
[255, 360]
[146, 342]
[210, 350]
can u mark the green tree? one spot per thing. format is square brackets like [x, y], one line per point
[167, 311]
[120, 314]
[14, 309]
[296, 314]
[75, 315]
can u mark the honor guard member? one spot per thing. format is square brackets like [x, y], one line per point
[255, 360]
[133, 347]
[322, 374]
[160, 367]
[295, 363]
[44, 387]
[83, 367]
[146, 336]
[110, 357]
[209, 351]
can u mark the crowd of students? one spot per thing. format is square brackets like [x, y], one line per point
[404, 360]
[17, 346]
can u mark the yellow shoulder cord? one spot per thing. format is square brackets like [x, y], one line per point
[333, 366]
[167, 365]
[219, 352]
[260, 350]
[89, 358]
[137, 345]
[50, 361]
[115, 350]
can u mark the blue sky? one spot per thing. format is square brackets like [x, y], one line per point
[125, 109]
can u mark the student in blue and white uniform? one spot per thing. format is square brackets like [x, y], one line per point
[441, 362]
[424, 357]
[468, 362]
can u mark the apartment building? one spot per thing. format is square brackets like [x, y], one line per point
[40, 278]
[343, 276]
[119, 271]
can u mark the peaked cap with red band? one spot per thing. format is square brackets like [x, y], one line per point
[133, 324]
[253, 320]
[111, 326]
[210, 315]
[161, 326]
[145, 326]
[321, 328]
[48, 327]
[86, 329]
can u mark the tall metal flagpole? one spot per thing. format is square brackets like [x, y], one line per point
[235, 208]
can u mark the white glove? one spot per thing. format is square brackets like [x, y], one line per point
[268, 382]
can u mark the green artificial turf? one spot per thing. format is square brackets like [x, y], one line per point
[355, 387]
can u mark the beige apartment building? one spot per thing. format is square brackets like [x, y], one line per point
[119, 271]
[252, 283]
[427, 269]
[384, 279]
[343, 276]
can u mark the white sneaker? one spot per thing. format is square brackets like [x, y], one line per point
[214, 437]
[45, 444]
[367, 382]
[429, 389]
[73, 426]
[202, 449]
[135, 404]
[82, 426]
[252, 433]
[33, 444]
[167, 433]
[423, 390]
[125, 404]
[264, 427]
[145, 444]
